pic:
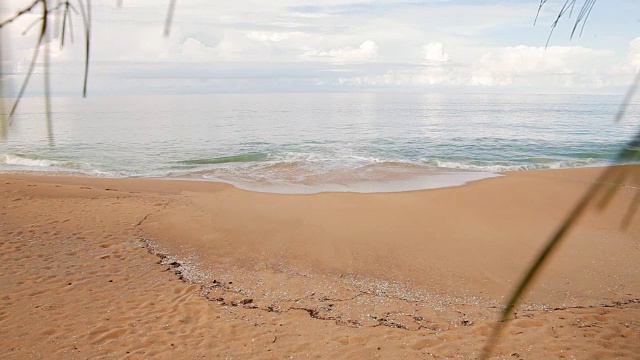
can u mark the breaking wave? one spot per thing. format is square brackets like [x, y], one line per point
[21, 160]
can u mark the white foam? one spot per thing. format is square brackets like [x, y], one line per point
[421, 182]
[560, 164]
[16, 160]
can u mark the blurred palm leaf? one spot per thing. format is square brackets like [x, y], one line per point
[63, 9]
[599, 194]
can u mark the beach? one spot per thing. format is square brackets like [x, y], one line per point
[129, 268]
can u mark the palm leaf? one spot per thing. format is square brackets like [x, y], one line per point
[601, 187]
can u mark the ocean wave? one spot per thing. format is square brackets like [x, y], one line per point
[539, 165]
[249, 157]
[291, 167]
[299, 166]
[21, 160]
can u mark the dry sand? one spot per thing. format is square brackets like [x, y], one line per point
[131, 268]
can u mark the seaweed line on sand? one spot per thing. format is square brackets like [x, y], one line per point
[231, 295]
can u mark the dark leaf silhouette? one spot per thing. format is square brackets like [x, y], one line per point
[604, 188]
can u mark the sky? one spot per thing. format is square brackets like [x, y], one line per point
[252, 46]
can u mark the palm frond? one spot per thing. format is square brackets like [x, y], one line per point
[63, 11]
[34, 58]
[604, 187]
[44, 34]
[169, 19]
[20, 13]
[86, 19]
[43, 23]
[566, 11]
[66, 17]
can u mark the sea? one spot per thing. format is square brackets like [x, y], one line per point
[316, 142]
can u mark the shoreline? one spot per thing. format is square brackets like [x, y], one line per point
[311, 189]
[299, 258]
[434, 179]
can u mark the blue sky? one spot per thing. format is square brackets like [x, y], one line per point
[341, 45]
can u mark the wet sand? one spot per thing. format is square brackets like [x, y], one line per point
[113, 268]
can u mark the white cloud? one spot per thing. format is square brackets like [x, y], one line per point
[633, 60]
[193, 48]
[385, 43]
[503, 66]
[368, 50]
[518, 66]
[434, 53]
[272, 36]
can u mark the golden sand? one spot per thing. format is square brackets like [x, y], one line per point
[113, 268]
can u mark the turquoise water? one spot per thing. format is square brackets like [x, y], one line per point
[318, 142]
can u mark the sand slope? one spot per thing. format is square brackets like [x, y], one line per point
[103, 268]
